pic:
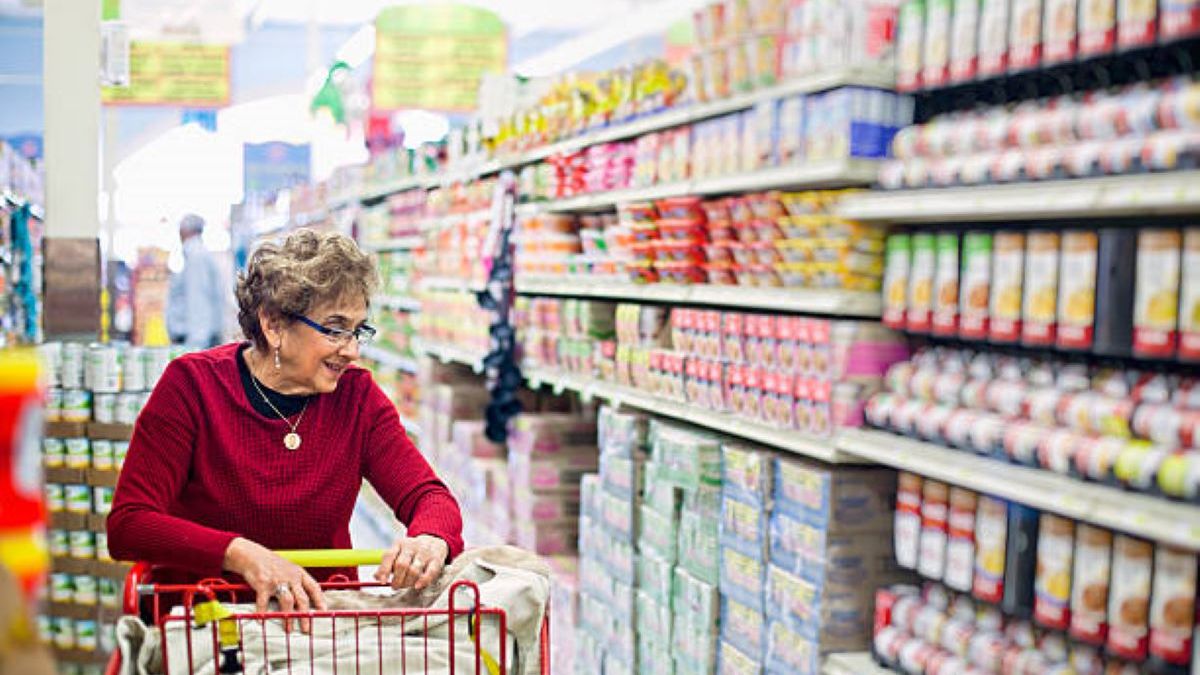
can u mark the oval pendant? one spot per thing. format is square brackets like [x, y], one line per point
[291, 441]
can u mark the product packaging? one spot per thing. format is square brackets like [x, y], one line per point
[935, 61]
[960, 548]
[946, 281]
[975, 286]
[993, 38]
[919, 311]
[1090, 584]
[911, 44]
[1040, 305]
[1189, 304]
[991, 556]
[1137, 23]
[1052, 588]
[1156, 302]
[907, 537]
[1025, 35]
[1021, 566]
[1008, 273]
[935, 511]
[1077, 290]
[1173, 608]
[964, 41]
[1097, 27]
[1129, 598]
[1060, 25]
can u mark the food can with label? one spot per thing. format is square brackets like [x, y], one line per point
[120, 449]
[104, 369]
[86, 591]
[133, 369]
[109, 592]
[53, 452]
[71, 375]
[129, 404]
[61, 587]
[102, 455]
[77, 498]
[76, 406]
[102, 499]
[78, 453]
[54, 497]
[104, 408]
[63, 630]
[102, 553]
[57, 543]
[85, 635]
[54, 404]
[82, 544]
[156, 361]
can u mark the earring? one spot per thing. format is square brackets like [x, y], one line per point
[277, 366]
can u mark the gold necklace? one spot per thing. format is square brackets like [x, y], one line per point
[292, 440]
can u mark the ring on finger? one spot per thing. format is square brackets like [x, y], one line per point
[281, 589]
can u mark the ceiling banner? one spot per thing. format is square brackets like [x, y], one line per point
[167, 73]
[433, 56]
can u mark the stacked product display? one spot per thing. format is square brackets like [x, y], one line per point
[95, 395]
[1015, 590]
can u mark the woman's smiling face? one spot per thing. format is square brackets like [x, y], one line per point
[311, 362]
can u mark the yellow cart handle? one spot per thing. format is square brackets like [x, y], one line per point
[334, 557]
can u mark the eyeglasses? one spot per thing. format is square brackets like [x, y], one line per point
[339, 336]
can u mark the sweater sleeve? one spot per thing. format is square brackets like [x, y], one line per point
[140, 526]
[402, 477]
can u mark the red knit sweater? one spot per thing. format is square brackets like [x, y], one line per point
[204, 467]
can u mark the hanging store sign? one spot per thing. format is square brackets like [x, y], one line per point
[163, 73]
[270, 167]
[434, 56]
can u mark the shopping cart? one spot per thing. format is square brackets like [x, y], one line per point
[214, 634]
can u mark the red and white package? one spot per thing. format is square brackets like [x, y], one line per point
[1178, 19]
[964, 41]
[1173, 606]
[1052, 588]
[1060, 31]
[1129, 598]
[991, 536]
[907, 531]
[960, 549]
[1090, 583]
[935, 62]
[993, 38]
[1156, 293]
[1097, 27]
[1189, 302]
[1137, 23]
[1025, 35]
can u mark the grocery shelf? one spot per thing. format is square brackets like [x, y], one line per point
[400, 302]
[853, 663]
[811, 175]
[453, 284]
[810, 301]
[1151, 517]
[381, 191]
[866, 77]
[1112, 196]
[397, 244]
[823, 449]
[389, 359]
[442, 222]
[452, 354]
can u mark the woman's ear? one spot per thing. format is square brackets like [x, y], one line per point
[271, 328]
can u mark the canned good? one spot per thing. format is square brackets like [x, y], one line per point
[109, 592]
[76, 405]
[45, 629]
[102, 547]
[133, 370]
[71, 375]
[103, 373]
[51, 356]
[77, 499]
[120, 449]
[86, 591]
[129, 405]
[53, 452]
[102, 455]
[102, 499]
[54, 497]
[108, 637]
[156, 360]
[104, 408]
[61, 587]
[56, 543]
[63, 631]
[82, 544]
[54, 404]
[78, 453]
[85, 635]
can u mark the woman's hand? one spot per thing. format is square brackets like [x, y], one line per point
[413, 561]
[273, 577]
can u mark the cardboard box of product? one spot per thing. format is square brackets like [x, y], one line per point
[550, 433]
[654, 656]
[660, 494]
[697, 608]
[552, 538]
[655, 577]
[620, 516]
[622, 476]
[840, 499]
[839, 621]
[559, 473]
[744, 627]
[734, 660]
[659, 533]
[831, 561]
[790, 652]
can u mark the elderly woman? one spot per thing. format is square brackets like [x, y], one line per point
[263, 445]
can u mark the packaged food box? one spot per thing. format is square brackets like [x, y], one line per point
[696, 606]
[975, 285]
[743, 578]
[1173, 608]
[655, 576]
[1077, 289]
[1052, 587]
[744, 528]
[964, 40]
[548, 539]
[743, 626]
[839, 499]
[1129, 598]
[935, 61]
[1039, 308]
[550, 433]
[733, 661]
[839, 562]
[1007, 277]
[1137, 23]
[1097, 27]
[923, 269]
[1090, 584]
[789, 652]
[1156, 300]
[993, 38]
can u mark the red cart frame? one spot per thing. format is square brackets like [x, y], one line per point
[139, 584]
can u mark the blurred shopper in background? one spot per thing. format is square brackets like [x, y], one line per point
[196, 304]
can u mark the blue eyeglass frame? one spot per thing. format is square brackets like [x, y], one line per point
[340, 334]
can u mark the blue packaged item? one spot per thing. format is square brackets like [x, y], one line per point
[743, 627]
[838, 499]
[743, 528]
[620, 475]
[743, 578]
[821, 558]
[733, 661]
[746, 473]
[790, 652]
